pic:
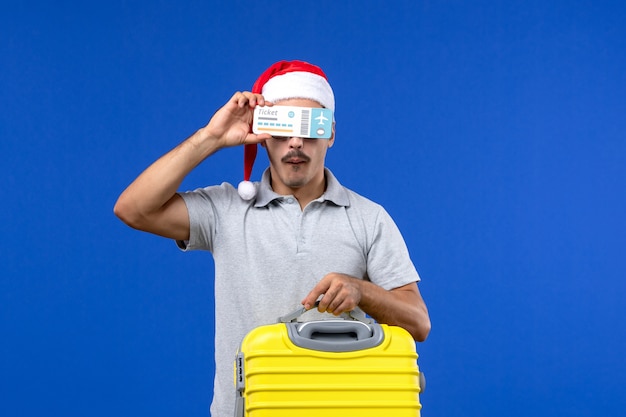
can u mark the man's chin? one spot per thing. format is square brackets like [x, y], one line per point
[295, 177]
[295, 183]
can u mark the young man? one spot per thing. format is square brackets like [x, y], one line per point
[295, 237]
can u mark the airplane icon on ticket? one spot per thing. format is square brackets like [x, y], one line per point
[321, 119]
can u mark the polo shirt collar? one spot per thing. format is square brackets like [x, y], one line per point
[334, 193]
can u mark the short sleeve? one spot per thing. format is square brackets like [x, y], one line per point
[389, 264]
[204, 206]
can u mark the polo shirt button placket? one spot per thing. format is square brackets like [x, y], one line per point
[302, 229]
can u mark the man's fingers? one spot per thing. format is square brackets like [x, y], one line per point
[326, 302]
[253, 138]
[339, 293]
[319, 289]
[332, 297]
[249, 99]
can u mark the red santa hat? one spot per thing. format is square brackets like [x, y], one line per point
[282, 81]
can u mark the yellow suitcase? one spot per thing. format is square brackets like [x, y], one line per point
[346, 368]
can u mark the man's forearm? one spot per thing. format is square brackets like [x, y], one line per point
[156, 186]
[402, 307]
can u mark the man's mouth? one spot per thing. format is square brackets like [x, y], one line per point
[295, 157]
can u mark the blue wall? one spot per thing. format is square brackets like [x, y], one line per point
[502, 160]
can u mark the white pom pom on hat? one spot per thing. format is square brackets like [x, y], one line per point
[246, 190]
[281, 81]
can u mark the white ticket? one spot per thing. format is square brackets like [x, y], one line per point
[304, 122]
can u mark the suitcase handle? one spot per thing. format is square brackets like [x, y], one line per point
[356, 314]
[335, 331]
[335, 335]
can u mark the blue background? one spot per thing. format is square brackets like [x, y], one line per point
[504, 167]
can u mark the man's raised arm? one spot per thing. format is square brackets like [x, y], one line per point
[151, 203]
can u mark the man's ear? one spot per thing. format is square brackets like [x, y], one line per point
[331, 141]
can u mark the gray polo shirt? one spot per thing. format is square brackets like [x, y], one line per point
[269, 254]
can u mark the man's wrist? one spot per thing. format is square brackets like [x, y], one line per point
[205, 143]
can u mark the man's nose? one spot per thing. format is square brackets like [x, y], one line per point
[295, 142]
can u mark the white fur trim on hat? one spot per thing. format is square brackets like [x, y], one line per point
[299, 84]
